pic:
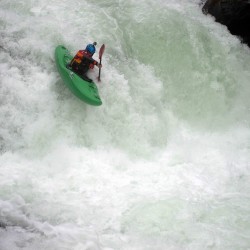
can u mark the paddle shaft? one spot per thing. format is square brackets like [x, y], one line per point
[99, 76]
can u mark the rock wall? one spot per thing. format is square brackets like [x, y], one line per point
[235, 14]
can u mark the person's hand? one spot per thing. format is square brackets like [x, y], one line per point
[99, 66]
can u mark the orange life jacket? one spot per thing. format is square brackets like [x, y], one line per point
[80, 55]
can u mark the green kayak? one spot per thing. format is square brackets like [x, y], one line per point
[84, 90]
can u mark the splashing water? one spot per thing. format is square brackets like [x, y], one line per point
[162, 164]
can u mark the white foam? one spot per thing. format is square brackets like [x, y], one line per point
[162, 164]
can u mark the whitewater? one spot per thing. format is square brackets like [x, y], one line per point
[163, 164]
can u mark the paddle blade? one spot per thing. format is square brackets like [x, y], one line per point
[101, 51]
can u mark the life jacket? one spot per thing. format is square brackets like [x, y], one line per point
[80, 55]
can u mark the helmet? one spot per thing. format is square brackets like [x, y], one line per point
[91, 49]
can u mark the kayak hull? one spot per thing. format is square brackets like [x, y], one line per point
[84, 90]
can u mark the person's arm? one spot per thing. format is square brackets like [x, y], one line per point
[94, 62]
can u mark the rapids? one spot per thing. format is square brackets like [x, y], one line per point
[162, 164]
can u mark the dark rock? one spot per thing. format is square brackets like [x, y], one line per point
[2, 225]
[235, 14]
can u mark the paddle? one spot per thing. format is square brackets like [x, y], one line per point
[101, 51]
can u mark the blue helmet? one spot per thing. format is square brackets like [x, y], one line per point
[91, 49]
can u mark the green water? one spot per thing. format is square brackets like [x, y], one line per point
[162, 164]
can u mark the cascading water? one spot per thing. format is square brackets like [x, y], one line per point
[162, 164]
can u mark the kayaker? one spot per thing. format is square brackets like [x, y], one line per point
[83, 61]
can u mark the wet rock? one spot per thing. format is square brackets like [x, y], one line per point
[2, 225]
[235, 14]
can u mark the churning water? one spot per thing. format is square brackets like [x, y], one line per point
[163, 164]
